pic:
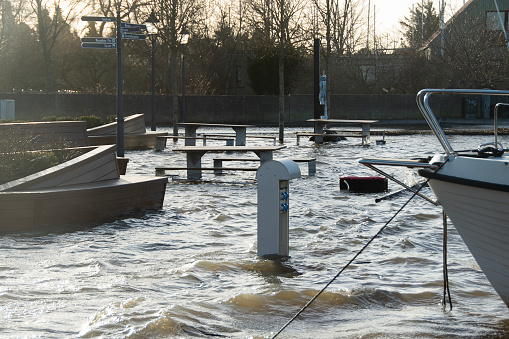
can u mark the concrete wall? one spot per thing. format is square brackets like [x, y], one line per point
[231, 109]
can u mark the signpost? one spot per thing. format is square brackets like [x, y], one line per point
[124, 31]
[139, 27]
[98, 45]
[101, 40]
[99, 18]
[134, 36]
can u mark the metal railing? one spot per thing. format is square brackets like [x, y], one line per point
[423, 104]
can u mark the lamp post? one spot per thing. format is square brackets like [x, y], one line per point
[152, 30]
[184, 38]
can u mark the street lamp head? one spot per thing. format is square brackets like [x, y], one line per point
[152, 23]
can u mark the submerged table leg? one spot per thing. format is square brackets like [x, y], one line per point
[194, 165]
[264, 156]
[190, 132]
[366, 134]
[240, 136]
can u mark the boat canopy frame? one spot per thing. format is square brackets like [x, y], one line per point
[423, 103]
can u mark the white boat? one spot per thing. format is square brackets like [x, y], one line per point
[473, 189]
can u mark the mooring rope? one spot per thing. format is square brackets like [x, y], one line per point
[444, 264]
[356, 255]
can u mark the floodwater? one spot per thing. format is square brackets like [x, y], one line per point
[191, 269]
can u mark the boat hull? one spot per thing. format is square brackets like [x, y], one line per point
[481, 217]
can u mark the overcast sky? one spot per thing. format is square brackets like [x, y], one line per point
[390, 12]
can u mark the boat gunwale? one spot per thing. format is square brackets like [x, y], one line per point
[426, 173]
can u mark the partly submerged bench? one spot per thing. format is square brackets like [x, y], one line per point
[161, 171]
[218, 162]
[161, 140]
[335, 136]
[273, 137]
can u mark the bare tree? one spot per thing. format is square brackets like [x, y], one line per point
[176, 18]
[52, 19]
[343, 21]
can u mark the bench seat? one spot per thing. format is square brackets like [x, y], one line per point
[160, 171]
[247, 136]
[161, 141]
[218, 162]
[341, 136]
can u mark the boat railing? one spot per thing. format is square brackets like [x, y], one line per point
[495, 118]
[423, 104]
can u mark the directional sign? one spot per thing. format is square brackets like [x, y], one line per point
[134, 36]
[100, 40]
[98, 18]
[130, 29]
[127, 25]
[98, 45]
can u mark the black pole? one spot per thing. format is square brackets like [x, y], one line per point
[120, 108]
[183, 118]
[316, 79]
[153, 116]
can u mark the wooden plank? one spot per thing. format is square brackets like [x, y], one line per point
[218, 162]
[98, 164]
[257, 159]
[86, 201]
[211, 125]
[133, 124]
[183, 168]
[90, 169]
[131, 141]
[228, 148]
[233, 135]
[197, 137]
[160, 171]
[342, 121]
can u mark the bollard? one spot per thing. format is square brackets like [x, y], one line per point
[274, 205]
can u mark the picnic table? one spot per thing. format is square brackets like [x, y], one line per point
[195, 153]
[322, 128]
[191, 127]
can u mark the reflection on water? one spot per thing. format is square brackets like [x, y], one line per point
[191, 270]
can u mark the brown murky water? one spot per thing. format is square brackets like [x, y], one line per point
[191, 270]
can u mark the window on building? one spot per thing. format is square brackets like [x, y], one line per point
[493, 21]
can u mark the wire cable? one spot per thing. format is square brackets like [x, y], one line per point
[355, 256]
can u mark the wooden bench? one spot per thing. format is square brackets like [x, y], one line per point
[161, 171]
[161, 140]
[317, 135]
[133, 124]
[333, 136]
[274, 138]
[195, 153]
[323, 125]
[218, 163]
[191, 127]
[349, 134]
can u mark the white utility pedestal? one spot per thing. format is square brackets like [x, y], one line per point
[274, 205]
